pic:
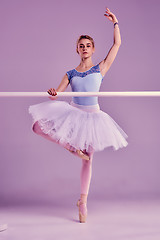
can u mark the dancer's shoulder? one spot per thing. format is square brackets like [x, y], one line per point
[70, 74]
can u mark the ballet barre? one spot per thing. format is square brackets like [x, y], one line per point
[83, 94]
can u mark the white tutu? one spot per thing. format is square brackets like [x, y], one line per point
[82, 127]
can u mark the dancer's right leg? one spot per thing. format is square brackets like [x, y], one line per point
[36, 128]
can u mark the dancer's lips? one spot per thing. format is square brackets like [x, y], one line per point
[84, 52]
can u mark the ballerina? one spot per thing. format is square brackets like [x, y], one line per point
[81, 126]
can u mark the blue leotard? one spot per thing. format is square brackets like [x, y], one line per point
[88, 81]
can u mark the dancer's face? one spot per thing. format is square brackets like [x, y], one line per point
[85, 48]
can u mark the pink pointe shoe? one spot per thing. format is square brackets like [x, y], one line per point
[79, 153]
[82, 155]
[82, 216]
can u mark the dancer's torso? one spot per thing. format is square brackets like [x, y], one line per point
[89, 81]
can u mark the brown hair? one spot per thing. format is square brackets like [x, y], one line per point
[84, 37]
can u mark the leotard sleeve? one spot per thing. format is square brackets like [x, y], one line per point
[69, 75]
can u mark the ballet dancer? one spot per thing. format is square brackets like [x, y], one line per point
[80, 126]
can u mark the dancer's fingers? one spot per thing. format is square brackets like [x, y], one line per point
[52, 92]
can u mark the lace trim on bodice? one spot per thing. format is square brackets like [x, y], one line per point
[72, 73]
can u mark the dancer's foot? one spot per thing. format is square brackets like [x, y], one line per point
[82, 155]
[78, 153]
[82, 205]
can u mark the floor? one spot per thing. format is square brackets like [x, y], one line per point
[109, 220]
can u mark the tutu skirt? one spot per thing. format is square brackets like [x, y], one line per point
[81, 127]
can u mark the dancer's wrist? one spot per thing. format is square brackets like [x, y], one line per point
[115, 23]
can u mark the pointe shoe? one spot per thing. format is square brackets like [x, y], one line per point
[79, 153]
[82, 218]
[82, 155]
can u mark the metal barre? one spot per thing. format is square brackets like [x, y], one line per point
[71, 94]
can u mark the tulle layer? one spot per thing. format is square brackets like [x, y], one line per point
[85, 129]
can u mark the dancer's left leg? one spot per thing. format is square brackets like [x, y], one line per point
[86, 174]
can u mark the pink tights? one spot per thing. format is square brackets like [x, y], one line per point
[86, 170]
[86, 173]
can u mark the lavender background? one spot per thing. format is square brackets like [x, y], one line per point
[37, 47]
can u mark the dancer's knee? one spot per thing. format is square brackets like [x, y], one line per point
[36, 128]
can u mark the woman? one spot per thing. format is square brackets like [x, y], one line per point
[81, 127]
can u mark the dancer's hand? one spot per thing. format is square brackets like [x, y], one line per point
[110, 16]
[52, 92]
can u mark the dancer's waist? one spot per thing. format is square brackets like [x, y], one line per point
[85, 100]
[87, 108]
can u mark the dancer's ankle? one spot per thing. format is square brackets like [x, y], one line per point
[83, 198]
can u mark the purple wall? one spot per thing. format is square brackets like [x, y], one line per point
[38, 45]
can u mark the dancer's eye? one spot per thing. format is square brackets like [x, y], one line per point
[81, 46]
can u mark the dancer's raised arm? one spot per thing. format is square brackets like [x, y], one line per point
[107, 62]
